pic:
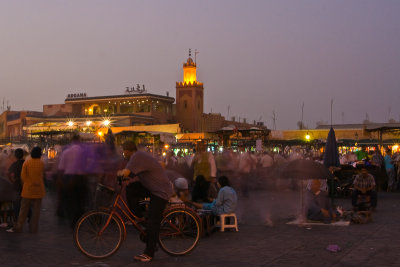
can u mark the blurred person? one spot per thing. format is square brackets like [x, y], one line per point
[3, 161]
[378, 161]
[204, 164]
[364, 183]
[266, 160]
[390, 171]
[180, 159]
[149, 180]
[343, 159]
[6, 162]
[295, 154]
[170, 160]
[182, 167]
[200, 190]
[32, 177]
[14, 174]
[74, 183]
[377, 158]
[351, 157]
[279, 158]
[396, 163]
[189, 157]
[247, 165]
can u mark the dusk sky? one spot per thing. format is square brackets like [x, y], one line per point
[255, 56]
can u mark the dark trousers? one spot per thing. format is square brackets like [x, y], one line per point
[136, 192]
[74, 195]
[26, 204]
[371, 193]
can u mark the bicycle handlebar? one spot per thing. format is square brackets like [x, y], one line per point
[120, 179]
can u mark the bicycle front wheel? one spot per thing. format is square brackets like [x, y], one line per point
[96, 240]
[179, 232]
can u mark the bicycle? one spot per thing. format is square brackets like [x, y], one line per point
[100, 233]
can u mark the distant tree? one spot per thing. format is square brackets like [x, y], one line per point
[392, 121]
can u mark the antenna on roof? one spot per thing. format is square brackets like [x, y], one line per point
[274, 119]
[195, 55]
[331, 110]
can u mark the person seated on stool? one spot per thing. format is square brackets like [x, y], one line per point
[225, 202]
[364, 183]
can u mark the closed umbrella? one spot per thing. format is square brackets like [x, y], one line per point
[331, 156]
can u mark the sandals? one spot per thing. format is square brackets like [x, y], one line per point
[143, 258]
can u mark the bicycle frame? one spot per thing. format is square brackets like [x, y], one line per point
[118, 206]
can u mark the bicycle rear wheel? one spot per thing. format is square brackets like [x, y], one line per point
[91, 242]
[179, 232]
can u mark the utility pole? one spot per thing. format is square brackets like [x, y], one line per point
[274, 119]
[331, 110]
[302, 113]
[195, 55]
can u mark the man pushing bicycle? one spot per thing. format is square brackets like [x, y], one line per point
[149, 180]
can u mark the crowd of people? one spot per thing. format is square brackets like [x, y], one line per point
[205, 180]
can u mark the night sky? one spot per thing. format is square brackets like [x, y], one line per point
[257, 57]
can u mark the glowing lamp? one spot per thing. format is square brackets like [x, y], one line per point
[100, 133]
[166, 146]
[88, 123]
[70, 123]
[106, 122]
[308, 137]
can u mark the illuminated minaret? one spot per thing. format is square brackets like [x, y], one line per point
[189, 98]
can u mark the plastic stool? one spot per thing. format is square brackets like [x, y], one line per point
[230, 224]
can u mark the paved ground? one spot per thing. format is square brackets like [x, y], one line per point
[256, 244]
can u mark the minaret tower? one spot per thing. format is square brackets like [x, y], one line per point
[189, 98]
